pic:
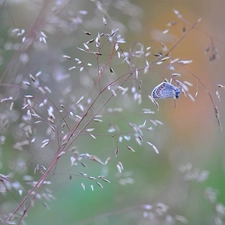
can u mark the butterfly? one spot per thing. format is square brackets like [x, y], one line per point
[166, 90]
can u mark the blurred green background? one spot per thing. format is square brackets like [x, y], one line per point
[190, 134]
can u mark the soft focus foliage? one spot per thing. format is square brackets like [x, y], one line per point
[84, 140]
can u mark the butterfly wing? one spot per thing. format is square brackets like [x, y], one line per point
[165, 90]
[157, 91]
[168, 91]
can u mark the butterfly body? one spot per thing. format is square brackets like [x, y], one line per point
[166, 90]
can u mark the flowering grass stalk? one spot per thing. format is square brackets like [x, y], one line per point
[71, 76]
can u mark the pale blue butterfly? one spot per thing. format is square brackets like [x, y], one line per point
[166, 90]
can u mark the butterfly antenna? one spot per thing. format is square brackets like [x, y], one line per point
[174, 98]
[175, 103]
